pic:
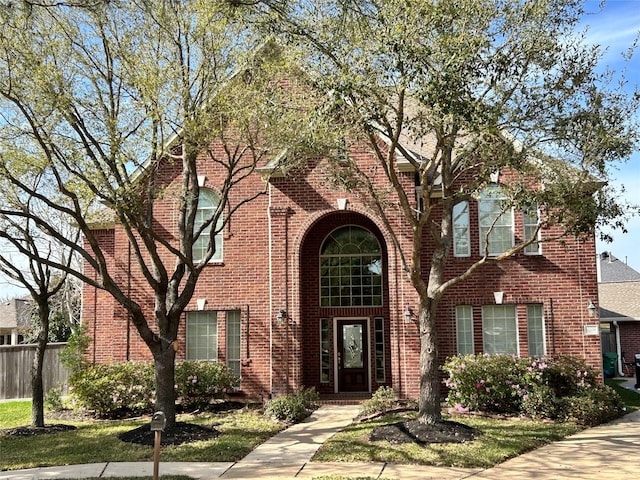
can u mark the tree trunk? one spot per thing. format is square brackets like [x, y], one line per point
[164, 363]
[429, 410]
[37, 386]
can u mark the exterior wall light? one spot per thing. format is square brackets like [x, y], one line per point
[280, 317]
[591, 308]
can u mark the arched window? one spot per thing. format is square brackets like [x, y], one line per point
[207, 204]
[351, 269]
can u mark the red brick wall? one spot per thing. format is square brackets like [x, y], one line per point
[629, 339]
[270, 262]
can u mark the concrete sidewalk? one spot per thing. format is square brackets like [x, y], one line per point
[606, 452]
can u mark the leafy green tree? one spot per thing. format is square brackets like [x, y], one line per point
[97, 97]
[460, 89]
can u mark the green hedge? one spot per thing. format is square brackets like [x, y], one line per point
[561, 388]
[292, 408]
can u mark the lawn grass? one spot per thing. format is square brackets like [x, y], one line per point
[631, 398]
[500, 439]
[15, 413]
[96, 441]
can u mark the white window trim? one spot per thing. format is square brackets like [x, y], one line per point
[468, 230]
[322, 257]
[218, 256]
[484, 197]
[538, 234]
[544, 330]
[227, 339]
[517, 330]
[470, 308]
[217, 345]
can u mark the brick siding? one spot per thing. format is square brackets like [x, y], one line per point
[271, 263]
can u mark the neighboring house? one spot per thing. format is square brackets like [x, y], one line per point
[14, 316]
[619, 298]
[307, 289]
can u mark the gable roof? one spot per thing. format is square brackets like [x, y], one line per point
[619, 301]
[612, 269]
[618, 289]
[13, 313]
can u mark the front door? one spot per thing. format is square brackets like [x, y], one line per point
[353, 355]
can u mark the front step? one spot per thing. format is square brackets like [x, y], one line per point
[343, 398]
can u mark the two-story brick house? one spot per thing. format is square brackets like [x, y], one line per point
[307, 289]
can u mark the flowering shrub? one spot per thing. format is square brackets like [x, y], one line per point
[122, 389]
[570, 376]
[562, 388]
[486, 383]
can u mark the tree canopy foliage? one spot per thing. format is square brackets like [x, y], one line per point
[95, 96]
[461, 90]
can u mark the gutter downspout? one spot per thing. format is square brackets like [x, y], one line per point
[618, 349]
[270, 392]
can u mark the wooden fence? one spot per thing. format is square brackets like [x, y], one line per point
[15, 370]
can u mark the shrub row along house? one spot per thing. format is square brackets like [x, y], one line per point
[307, 287]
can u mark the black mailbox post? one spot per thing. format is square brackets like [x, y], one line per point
[637, 370]
[158, 422]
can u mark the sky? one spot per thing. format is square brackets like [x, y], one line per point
[615, 27]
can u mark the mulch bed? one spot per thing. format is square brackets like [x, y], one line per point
[181, 433]
[413, 431]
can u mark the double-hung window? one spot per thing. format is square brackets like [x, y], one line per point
[461, 241]
[202, 336]
[530, 220]
[207, 205]
[535, 330]
[464, 329]
[234, 335]
[496, 222]
[499, 329]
